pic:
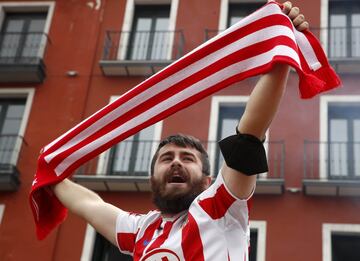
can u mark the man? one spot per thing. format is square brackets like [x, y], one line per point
[195, 221]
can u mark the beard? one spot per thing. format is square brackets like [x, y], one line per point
[176, 202]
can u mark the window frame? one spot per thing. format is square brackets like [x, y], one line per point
[2, 210]
[31, 7]
[328, 229]
[104, 158]
[325, 102]
[28, 94]
[129, 19]
[260, 227]
[224, 10]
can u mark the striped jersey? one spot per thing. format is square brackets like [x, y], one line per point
[216, 227]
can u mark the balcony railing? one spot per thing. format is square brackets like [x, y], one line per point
[10, 146]
[333, 167]
[143, 45]
[21, 56]
[151, 49]
[130, 162]
[338, 42]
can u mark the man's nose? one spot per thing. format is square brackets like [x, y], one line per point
[176, 162]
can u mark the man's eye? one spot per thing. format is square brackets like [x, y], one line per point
[165, 158]
[189, 159]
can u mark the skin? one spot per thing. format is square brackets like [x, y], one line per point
[260, 111]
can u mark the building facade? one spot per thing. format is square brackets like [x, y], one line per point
[61, 61]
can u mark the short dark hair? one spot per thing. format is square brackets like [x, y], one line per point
[184, 141]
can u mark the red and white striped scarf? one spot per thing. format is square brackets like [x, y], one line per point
[248, 48]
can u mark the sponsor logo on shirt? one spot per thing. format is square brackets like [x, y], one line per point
[160, 254]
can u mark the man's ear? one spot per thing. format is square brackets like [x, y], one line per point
[207, 181]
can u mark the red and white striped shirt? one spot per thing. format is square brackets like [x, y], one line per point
[216, 227]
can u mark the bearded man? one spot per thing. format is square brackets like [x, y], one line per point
[195, 220]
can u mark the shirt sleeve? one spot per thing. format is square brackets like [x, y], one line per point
[127, 227]
[221, 205]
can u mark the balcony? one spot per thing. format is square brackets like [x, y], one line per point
[342, 45]
[21, 57]
[127, 168]
[331, 168]
[10, 146]
[142, 53]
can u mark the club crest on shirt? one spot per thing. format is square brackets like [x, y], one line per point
[160, 254]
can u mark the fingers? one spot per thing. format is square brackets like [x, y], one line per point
[296, 16]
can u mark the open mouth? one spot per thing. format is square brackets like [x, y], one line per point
[177, 179]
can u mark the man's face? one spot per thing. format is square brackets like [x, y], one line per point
[177, 178]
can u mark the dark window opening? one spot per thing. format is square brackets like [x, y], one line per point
[345, 247]
[150, 35]
[105, 251]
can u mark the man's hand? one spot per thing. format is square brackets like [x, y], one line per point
[294, 14]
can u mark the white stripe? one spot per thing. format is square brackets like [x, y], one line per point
[213, 79]
[307, 51]
[256, 37]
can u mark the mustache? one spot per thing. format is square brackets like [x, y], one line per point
[176, 170]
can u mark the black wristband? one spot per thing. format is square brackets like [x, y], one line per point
[244, 153]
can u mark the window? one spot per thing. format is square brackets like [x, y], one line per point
[132, 156]
[344, 247]
[238, 11]
[341, 242]
[150, 35]
[344, 140]
[105, 251]
[11, 114]
[21, 37]
[229, 115]
[257, 240]
[344, 23]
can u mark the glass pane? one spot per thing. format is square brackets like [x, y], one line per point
[160, 43]
[355, 35]
[338, 147]
[7, 144]
[15, 111]
[122, 155]
[11, 38]
[235, 19]
[37, 25]
[228, 128]
[144, 149]
[11, 126]
[338, 35]
[141, 38]
[357, 147]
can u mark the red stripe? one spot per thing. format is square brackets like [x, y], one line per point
[218, 205]
[141, 244]
[191, 241]
[126, 241]
[161, 239]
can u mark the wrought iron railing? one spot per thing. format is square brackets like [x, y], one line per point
[331, 160]
[338, 42]
[24, 48]
[10, 146]
[143, 45]
[133, 158]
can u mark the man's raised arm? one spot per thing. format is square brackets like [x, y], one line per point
[261, 109]
[88, 205]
